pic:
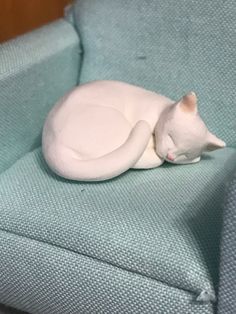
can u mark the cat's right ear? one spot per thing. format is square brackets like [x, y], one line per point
[188, 103]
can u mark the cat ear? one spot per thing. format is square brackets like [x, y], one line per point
[189, 103]
[214, 142]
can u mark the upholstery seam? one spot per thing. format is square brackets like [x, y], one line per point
[18, 160]
[97, 260]
[37, 147]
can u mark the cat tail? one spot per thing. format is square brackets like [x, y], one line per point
[66, 162]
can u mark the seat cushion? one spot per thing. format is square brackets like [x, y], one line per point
[163, 223]
[170, 47]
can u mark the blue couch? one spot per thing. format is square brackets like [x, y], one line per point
[146, 241]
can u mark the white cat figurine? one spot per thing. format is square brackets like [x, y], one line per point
[102, 128]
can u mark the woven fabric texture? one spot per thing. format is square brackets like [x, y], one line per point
[45, 279]
[162, 224]
[147, 241]
[35, 70]
[227, 291]
[170, 47]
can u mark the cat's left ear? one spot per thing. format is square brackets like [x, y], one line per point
[214, 142]
[188, 103]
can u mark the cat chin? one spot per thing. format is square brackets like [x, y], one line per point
[184, 162]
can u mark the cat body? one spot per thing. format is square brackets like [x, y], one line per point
[103, 128]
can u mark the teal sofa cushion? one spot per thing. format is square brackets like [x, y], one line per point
[162, 224]
[35, 70]
[40, 278]
[167, 46]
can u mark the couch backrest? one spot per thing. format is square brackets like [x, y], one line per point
[168, 46]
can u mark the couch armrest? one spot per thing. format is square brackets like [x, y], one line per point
[227, 289]
[35, 70]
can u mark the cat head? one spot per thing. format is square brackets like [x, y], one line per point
[181, 135]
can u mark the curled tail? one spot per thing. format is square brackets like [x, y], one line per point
[65, 161]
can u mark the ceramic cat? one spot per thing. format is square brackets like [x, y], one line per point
[103, 128]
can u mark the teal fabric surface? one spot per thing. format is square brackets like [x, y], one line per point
[35, 70]
[163, 224]
[41, 278]
[167, 46]
[227, 286]
[147, 241]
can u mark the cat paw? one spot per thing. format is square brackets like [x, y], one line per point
[149, 160]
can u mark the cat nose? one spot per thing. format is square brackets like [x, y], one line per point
[170, 157]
